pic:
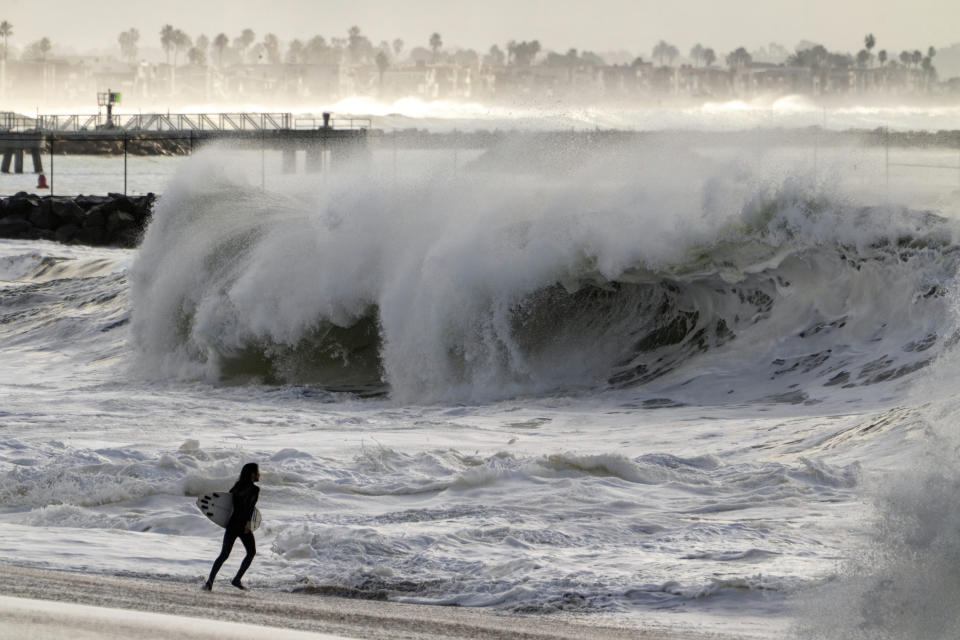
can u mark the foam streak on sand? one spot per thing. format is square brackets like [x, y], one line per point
[43, 620]
[35, 605]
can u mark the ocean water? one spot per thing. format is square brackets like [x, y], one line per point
[705, 389]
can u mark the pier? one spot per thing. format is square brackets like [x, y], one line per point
[326, 141]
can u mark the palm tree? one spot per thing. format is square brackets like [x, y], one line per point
[660, 51]
[739, 59]
[181, 42]
[672, 54]
[295, 52]
[128, 44]
[6, 30]
[397, 47]
[247, 37]
[709, 57]
[383, 63]
[930, 72]
[435, 43]
[522, 53]
[167, 39]
[44, 48]
[882, 56]
[220, 43]
[696, 53]
[665, 50]
[272, 44]
[197, 56]
[316, 50]
[359, 47]
[495, 57]
[869, 42]
[816, 57]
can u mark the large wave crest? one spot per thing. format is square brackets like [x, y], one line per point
[627, 267]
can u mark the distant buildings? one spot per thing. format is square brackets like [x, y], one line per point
[77, 79]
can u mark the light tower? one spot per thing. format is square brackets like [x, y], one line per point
[107, 100]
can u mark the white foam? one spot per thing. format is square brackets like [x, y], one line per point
[442, 271]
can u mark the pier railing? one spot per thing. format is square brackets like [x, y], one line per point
[167, 122]
[172, 122]
[10, 121]
[335, 123]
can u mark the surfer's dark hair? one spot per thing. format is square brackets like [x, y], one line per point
[246, 474]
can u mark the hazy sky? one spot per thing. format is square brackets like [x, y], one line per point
[600, 25]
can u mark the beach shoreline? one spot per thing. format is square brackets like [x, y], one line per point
[329, 615]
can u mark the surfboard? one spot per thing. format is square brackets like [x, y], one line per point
[218, 506]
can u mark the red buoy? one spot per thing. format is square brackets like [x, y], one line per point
[42, 182]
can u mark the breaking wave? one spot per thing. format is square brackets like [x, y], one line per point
[622, 272]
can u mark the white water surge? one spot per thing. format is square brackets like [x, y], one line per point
[651, 382]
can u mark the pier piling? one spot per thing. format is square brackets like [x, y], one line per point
[315, 158]
[289, 160]
[14, 145]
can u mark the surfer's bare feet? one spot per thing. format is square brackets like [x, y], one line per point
[237, 584]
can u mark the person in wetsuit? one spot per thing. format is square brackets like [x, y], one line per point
[245, 495]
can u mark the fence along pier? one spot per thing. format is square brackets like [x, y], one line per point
[325, 140]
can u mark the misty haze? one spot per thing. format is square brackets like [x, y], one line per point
[176, 66]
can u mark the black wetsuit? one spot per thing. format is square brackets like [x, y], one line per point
[245, 496]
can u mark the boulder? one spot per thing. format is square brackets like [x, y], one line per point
[118, 202]
[144, 207]
[21, 206]
[88, 202]
[120, 220]
[128, 238]
[43, 218]
[66, 233]
[96, 216]
[96, 236]
[67, 210]
[16, 228]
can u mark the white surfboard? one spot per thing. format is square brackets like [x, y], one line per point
[218, 507]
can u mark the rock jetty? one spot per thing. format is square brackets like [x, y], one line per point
[112, 220]
[135, 145]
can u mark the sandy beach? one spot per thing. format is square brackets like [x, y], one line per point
[185, 611]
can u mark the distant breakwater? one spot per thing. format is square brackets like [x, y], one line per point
[485, 139]
[184, 143]
[103, 221]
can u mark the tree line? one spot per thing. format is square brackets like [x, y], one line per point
[817, 57]
[357, 48]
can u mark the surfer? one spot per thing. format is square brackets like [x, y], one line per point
[245, 495]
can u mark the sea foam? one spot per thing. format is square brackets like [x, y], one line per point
[619, 270]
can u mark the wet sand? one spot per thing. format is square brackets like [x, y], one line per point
[27, 609]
